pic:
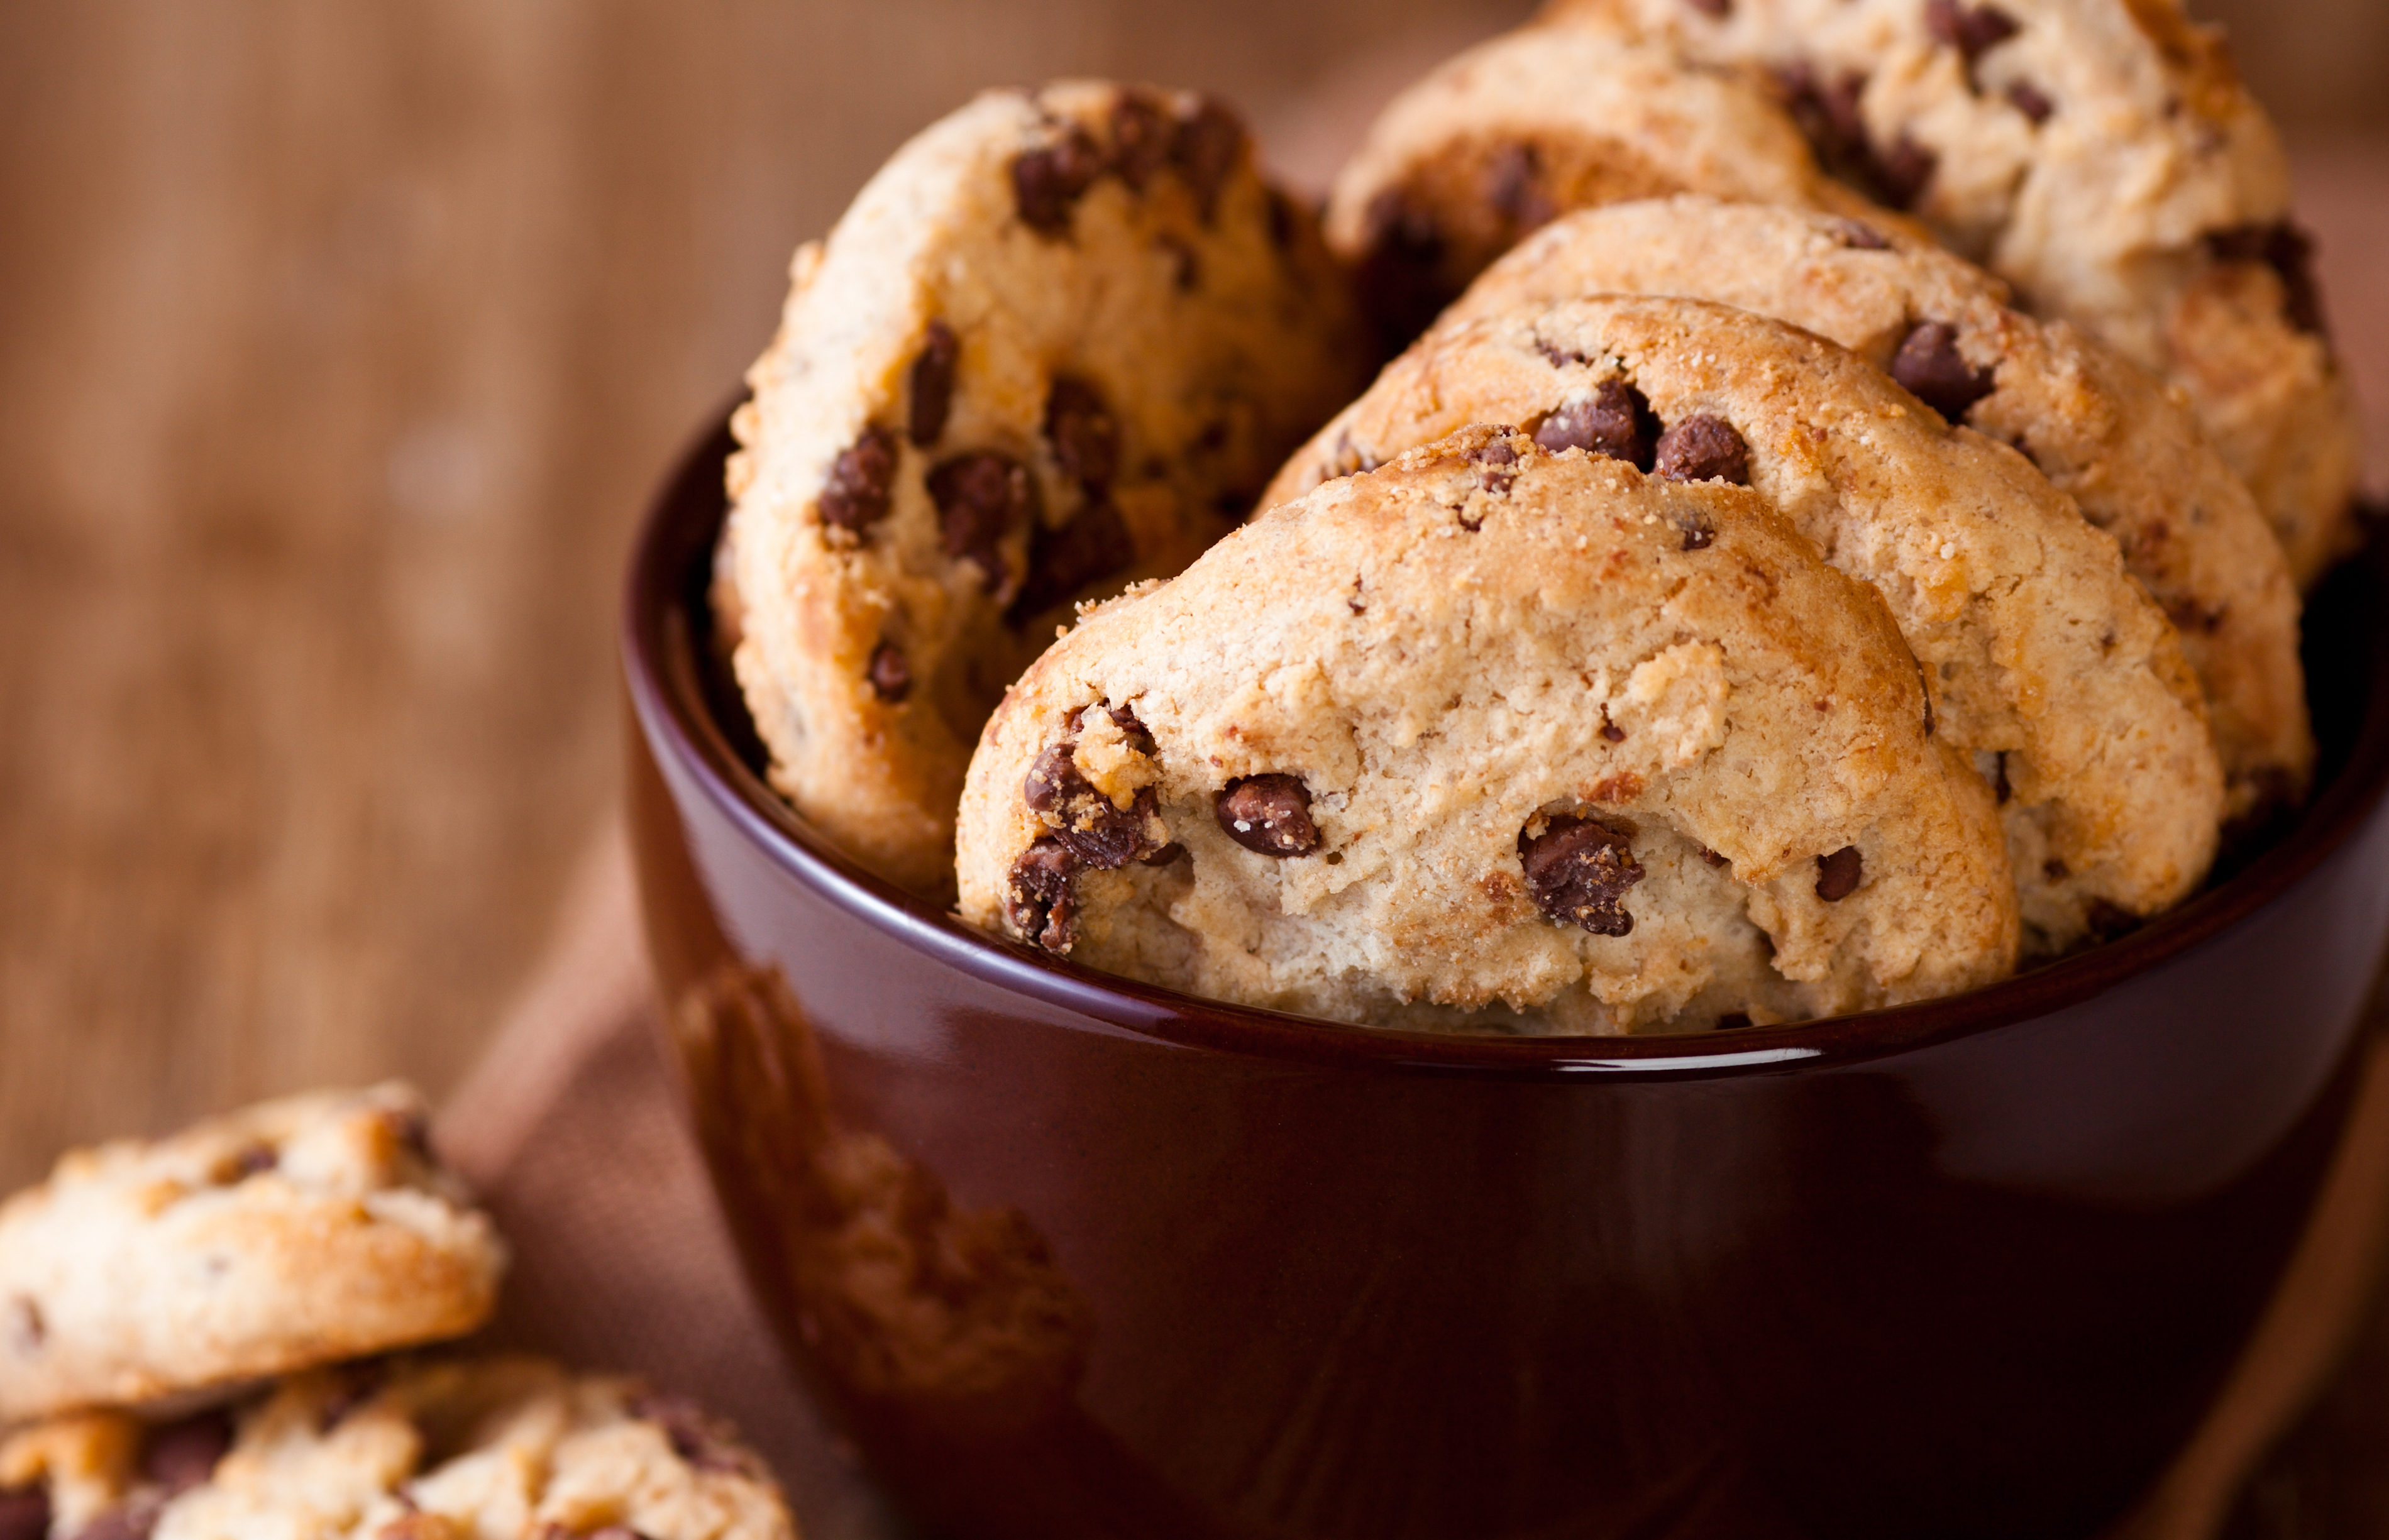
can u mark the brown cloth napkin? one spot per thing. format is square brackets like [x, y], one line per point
[569, 1126]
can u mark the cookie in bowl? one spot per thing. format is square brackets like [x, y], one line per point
[1056, 344]
[297, 1232]
[2105, 433]
[1495, 736]
[2042, 658]
[2103, 157]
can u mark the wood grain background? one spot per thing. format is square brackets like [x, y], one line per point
[338, 346]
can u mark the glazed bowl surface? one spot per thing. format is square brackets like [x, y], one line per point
[1068, 1255]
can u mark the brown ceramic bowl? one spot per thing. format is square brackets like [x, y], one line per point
[1069, 1256]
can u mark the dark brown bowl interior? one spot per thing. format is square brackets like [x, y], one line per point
[1967, 1266]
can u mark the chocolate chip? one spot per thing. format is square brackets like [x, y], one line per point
[26, 1329]
[410, 1127]
[359, 1383]
[25, 1514]
[2289, 252]
[1140, 126]
[693, 1436]
[1048, 181]
[1716, 10]
[1495, 461]
[1617, 422]
[1714, 859]
[1206, 148]
[981, 496]
[1838, 874]
[131, 1520]
[1085, 435]
[250, 1160]
[182, 1455]
[1828, 115]
[2030, 100]
[1053, 779]
[1559, 355]
[1400, 275]
[1859, 235]
[1285, 220]
[1973, 31]
[1902, 171]
[1611, 732]
[1132, 730]
[1703, 449]
[1733, 1020]
[1091, 827]
[1929, 364]
[933, 384]
[1040, 894]
[1514, 186]
[1169, 855]
[855, 496]
[1268, 814]
[1577, 871]
[1094, 544]
[889, 675]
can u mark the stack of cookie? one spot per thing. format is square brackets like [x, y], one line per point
[1732, 605]
[195, 1339]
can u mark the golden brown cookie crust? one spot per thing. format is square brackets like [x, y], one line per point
[2043, 656]
[1460, 658]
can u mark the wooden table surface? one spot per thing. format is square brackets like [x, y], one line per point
[338, 346]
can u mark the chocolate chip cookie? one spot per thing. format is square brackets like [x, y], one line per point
[2131, 458]
[1499, 735]
[2102, 156]
[1528, 126]
[507, 1449]
[294, 1233]
[2042, 657]
[1057, 344]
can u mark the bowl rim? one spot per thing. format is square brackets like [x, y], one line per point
[659, 661]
